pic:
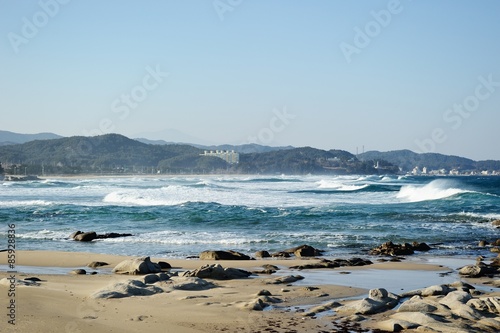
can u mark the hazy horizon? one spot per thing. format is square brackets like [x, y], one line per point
[386, 75]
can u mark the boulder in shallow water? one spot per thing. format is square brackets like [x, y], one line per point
[86, 236]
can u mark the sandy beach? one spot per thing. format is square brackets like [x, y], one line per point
[62, 302]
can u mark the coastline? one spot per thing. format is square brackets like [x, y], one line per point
[62, 302]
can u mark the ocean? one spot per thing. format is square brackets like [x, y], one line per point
[178, 217]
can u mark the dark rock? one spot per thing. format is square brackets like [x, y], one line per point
[262, 254]
[483, 243]
[422, 247]
[223, 255]
[271, 267]
[391, 249]
[304, 251]
[33, 279]
[78, 272]
[163, 277]
[96, 264]
[85, 236]
[281, 255]
[335, 263]
[164, 265]
[496, 243]
[76, 233]
[151, 278]
[112, 235]
[264, 292]
[217, 272]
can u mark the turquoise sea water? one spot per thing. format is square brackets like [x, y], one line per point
[182, 216]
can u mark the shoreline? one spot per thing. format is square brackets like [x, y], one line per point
[62, 302]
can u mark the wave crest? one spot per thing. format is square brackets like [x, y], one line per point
[435, 190]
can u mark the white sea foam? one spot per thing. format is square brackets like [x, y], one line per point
[436, 189]
[340, 185]
[481, 216]
[44, 234]
[25, 203]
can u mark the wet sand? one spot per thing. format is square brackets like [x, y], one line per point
[62, 302]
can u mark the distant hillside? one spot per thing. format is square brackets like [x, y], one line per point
[7, 137]
[111, 153]
[115, 154]
[242, 149]
[309, 160]
[407, 160]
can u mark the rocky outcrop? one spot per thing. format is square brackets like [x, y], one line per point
[217, 272]
[260, 303]
[391, 249]
[262, 254]
[283, 279]
[378, 300]
[127, 289]
[444, 308]
[90, 236]
[97, 264]
[85, 236]
[112, 235]
[304, 251]
[190, 283]
[479, 270]
[223, 255]
[137, 266]
[325, 263]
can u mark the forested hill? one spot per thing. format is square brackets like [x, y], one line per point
[407, 160]
[111, 153]
[310, 160]
[115, 154]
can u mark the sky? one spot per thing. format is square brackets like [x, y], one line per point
[340, 74]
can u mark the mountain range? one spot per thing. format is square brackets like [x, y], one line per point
[9, 138]
[48, 153]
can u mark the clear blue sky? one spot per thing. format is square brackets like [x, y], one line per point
[340, 74]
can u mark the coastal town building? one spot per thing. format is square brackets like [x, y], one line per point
[230, 157]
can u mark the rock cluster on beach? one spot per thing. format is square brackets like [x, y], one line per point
[301, 251]
[391, 249]
[217, 272]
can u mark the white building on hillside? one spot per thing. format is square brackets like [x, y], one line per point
[230, 157]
